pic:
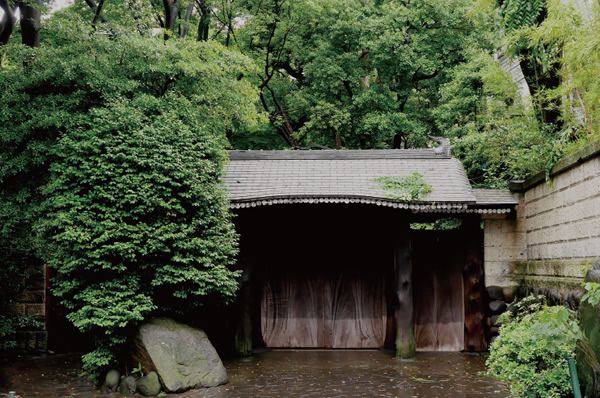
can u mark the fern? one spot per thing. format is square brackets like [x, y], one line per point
[518, 14]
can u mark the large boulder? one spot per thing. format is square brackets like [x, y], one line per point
[182, 356]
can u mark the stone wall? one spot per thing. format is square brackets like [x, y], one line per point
[555, 232]
[505, 244]
[33, 302]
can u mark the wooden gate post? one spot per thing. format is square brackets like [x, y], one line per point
[473, 285]
[405, 338]
[243, 332]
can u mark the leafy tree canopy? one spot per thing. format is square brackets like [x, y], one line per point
[355, 74]
[111, 151]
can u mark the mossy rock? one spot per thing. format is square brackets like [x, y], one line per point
[181, 355]
[149, 385]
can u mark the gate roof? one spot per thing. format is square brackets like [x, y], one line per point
[255, 178]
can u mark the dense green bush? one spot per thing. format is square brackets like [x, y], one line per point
[110, 154]
[532, 349]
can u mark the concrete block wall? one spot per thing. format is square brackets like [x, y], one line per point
[505, 244]
[555, 232]
[563, 219]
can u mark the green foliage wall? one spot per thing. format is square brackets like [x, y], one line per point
[111, 151]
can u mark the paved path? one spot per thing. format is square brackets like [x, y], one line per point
[291, 373]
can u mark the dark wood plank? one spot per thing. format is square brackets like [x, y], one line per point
[438, 286]
[359, 311]
[325, 310]
[405, 339]
[449, 294]
[473, 286]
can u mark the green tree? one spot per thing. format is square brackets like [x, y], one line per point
[355, 74]
[111, 151]
[495, 133]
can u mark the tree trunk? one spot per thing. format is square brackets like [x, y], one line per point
[338, 141]
[243, 332]
[171, 12]
[204, 21]
[7, 23]
[185, 27]
[30, 22]
[405, 338]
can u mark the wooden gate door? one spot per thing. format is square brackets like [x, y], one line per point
[438, 291]
[335, 309]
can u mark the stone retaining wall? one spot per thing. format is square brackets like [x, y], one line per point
[33, 302]
[555, 233]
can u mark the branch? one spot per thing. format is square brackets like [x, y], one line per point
[97, 14]
[286, 122]
[298, 75]
[348, 88]
[157, 16]
[273, 120]
[92, 4]
[417, 77]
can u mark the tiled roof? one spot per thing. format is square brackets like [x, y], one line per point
[490, 197]
[273, 177]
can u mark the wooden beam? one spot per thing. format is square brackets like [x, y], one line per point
[473, 284]
[243, 331]
[405, 338]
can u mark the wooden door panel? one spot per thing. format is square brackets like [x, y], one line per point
[425, 308]
[359, 313]
[290, 313]
[438, 294]
[344, 310]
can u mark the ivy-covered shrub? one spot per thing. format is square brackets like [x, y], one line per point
[532, 349]
[111, 150]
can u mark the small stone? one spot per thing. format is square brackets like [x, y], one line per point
[494, 331]
[127, 386]
[576, 296]
[497, 306]
[593, 275]
[149, 385]
[509, 294]
[111, 381]
[554, 297]
[495, 293]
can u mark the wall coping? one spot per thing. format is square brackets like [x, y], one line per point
[568, 162]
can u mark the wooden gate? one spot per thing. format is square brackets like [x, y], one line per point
[333, 309]
[438, 259]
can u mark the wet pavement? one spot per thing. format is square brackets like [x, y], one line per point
[294, 373]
